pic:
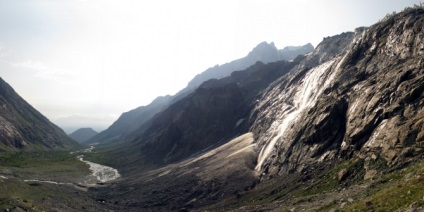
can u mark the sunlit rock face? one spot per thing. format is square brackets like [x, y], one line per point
[357, 94]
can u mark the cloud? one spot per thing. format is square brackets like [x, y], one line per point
[4, 52]
[30, 64]
[43, 71]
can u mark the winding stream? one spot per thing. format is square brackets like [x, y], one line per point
[101, 173]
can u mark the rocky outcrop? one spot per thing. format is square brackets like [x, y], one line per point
[83, 134]
[356, 94]
[23, 128]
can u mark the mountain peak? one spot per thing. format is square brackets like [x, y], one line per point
[83, 134]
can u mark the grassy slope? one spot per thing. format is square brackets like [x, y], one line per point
[394, 189]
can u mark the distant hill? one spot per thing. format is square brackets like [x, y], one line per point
[83, 134]
[22, 127]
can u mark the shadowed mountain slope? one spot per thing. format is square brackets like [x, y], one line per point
[83, 134]
[24, 128]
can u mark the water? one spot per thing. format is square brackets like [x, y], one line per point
[102, 173]
[307, 93]
[48, 181]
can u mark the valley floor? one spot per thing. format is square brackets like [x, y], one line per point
[51, 181]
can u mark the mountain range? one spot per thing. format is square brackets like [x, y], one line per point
[130, 121]
[350, 111]
[338, 127]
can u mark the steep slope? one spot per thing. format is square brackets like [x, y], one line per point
[212, 115]
[367, 101]
[23, 128]
[350, 111]
[128, 122]
[83, 134]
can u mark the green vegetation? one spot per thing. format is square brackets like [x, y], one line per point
[58, 166]
[395, 191]
[102, 155]
[343, 187]
[296, 187]
[44, 164]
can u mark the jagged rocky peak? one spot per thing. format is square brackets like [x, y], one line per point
[357, 94]
[264, 52]
[23, 128]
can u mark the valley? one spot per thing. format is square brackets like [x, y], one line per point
[338, 127]
[54, 180]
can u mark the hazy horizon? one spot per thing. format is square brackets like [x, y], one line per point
[82, 63]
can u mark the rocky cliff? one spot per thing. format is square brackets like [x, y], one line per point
[23, 128]
[357, 95]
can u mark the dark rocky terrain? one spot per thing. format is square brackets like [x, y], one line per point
[365, 101]
[210, 116]
[83, 134]
[23, 128]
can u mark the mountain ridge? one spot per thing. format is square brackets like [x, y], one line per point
[22, 127]
[129, 121]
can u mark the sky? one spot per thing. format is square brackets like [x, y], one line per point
[82, 63]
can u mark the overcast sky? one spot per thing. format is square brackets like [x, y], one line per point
[84, 62]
